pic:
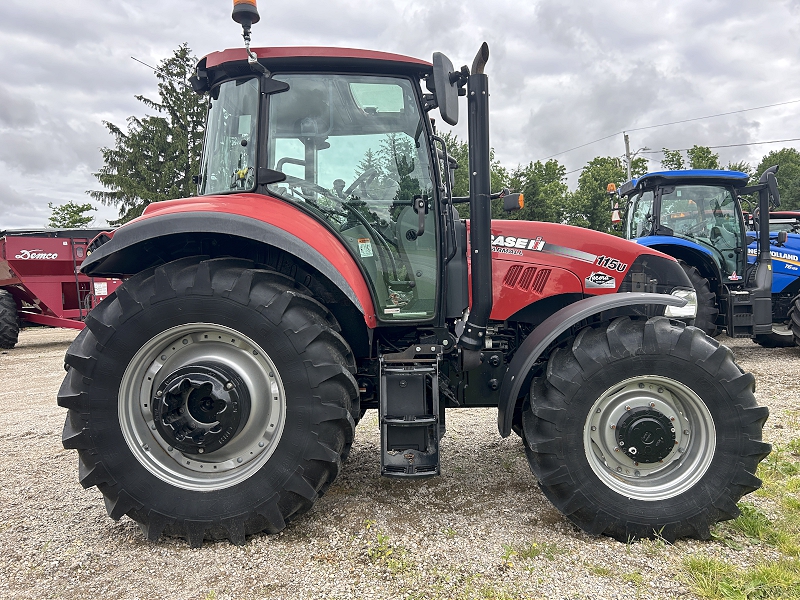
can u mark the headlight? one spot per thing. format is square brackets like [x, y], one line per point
[688, 310]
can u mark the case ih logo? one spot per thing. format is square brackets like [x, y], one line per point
[600, 280]
[36, 255]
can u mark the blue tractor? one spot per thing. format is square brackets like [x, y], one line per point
[744, 286]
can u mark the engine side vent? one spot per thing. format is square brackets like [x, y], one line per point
[512, 275]
[541, 280]
[527, 277]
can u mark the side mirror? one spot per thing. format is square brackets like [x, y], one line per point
[769, 178]
[782, 237]
[446, 90]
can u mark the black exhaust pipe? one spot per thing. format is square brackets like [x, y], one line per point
[472, 340]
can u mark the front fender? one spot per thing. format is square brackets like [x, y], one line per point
[298, 235]
[545, 334]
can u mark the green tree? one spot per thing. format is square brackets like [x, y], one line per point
[741, 166]
[544, 186]
[788, 161]
[460, 152]
[673, 160]
[701, 157]
[158, 155]
[590, 205]
[70, 215]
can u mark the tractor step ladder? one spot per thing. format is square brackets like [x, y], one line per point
[740, 314]
[409, 412]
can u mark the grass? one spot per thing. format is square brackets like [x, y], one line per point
[711, 578]
[529, 551]
[382, 551]
[780, 529]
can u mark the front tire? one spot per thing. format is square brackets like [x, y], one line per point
[9, 321]
[209, 399]
[645, 428]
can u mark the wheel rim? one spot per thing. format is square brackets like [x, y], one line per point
[231, 373]
[630, 445]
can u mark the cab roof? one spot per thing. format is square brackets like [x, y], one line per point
[699, 176]
[318, 57]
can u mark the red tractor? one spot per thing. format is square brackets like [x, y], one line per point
[323, 271]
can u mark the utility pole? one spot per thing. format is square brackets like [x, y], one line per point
[627, 154]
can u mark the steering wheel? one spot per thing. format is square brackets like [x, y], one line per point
[698, 227]
[366, 178]
[294, 182]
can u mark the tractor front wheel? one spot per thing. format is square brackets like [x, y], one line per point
[209, 399]
[644, 428]
[9, 321]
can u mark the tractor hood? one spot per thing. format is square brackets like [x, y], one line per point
[533, 260]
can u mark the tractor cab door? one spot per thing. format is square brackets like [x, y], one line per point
[354, 149]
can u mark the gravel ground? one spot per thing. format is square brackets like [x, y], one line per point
[368, 537]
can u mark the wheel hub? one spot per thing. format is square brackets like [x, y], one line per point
[200, 408]
[645, 435]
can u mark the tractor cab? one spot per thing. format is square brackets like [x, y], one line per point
[696, 216]
[351, 149]
[700, 207]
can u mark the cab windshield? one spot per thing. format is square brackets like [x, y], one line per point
[354, 153]
[706, 214]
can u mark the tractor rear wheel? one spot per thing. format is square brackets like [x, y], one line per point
[794, 319]
[9, 321]
[707, 309]
[209, 399]
[781, 337]
[645, 428]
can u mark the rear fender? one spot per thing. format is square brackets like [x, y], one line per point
[551, 328]
[137, 245]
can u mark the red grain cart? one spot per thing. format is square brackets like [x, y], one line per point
[40, 280]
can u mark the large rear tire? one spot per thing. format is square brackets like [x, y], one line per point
[794, 319]
[209, 399]
[9, 321]
[707, 309]
[782, 336]
[645, 428]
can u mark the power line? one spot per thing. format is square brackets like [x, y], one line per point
[732, 112]
[728, 145]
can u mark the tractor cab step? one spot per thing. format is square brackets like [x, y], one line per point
[409, 412]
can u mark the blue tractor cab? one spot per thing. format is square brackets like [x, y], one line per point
[696, 216]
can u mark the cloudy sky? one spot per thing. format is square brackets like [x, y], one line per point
[561, 73]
